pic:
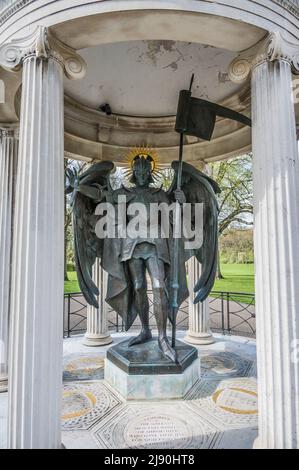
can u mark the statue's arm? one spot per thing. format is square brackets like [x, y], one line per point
[93, 183]
[93, 191]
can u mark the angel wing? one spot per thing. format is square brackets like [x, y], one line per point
[199, 188]
[87, 191]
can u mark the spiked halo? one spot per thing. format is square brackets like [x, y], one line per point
[147, 153]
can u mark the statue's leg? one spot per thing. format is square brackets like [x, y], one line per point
[157, 273]
[137, 269]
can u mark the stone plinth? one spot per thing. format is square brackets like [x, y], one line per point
[143, 373]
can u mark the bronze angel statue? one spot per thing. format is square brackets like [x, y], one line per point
[129, 258]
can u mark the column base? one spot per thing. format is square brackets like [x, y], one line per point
[3, 384]
[96, 340]
[257, 443]
[199, 338]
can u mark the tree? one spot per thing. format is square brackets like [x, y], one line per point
[165, 178]
[234, 177]
[236, 245]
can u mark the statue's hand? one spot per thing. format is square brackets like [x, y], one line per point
[179, 196]
[102, 191]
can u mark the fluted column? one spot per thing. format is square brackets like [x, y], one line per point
[276, 242]
[97, 333]
[37, 265]
[199, 319]
[35, 356]
[8, 161]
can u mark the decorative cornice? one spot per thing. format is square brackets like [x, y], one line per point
[10, 10]
[42, 44]
[119, 129]
[269, 49]
[290, 5]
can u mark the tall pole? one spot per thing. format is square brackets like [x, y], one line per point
[175, 283]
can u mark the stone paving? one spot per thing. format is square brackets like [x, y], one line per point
[220, 411]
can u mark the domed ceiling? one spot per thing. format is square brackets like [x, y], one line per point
[143, 78]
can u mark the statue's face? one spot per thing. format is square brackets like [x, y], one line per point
[142, 172]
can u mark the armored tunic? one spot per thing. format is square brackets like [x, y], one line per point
[144, 246]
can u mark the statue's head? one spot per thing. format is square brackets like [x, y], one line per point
[142, 168]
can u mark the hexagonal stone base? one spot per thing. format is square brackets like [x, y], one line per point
[143, 373]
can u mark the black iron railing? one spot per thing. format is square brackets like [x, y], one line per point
[75, 314]
[230, 313]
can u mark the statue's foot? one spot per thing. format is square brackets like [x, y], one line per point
[143, 336]
[167, 350]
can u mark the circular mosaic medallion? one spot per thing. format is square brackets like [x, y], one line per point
[76, 404]
[157, 432]
[224, 364]
[84, 404]
[84, 368]
[236, 400]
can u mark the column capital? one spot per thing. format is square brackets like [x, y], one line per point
[42, 43]
[271, 48]
[9, 132]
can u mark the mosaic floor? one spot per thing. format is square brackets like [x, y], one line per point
[220, 411]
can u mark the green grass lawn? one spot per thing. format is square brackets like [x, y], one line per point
[71, 285]
[237, 278]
